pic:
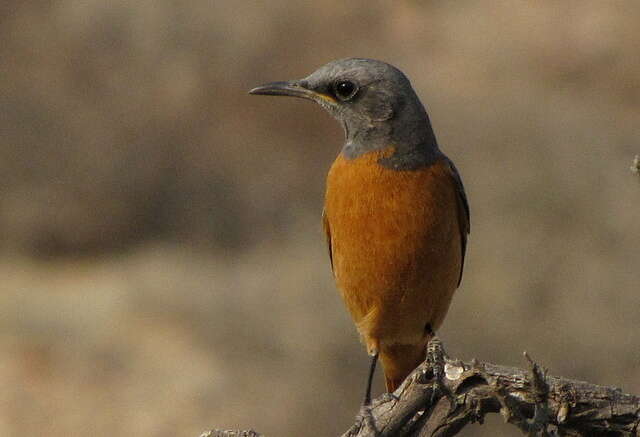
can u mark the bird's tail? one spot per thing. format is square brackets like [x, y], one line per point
[399, 361]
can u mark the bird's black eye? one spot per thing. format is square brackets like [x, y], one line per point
[345, 89]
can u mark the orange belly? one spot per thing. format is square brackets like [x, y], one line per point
[396, 247]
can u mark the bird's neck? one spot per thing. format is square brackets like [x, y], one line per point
[413, 141]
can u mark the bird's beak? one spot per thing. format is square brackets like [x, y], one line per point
[293, 88]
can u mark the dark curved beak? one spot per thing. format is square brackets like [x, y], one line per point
[292, 88]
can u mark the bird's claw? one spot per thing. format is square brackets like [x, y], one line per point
[387, 397]
[363, 418]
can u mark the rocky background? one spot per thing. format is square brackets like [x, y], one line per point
[162, 261]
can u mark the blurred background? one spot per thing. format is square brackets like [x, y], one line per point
[163, 265]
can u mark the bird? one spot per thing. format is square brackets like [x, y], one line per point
[396, 216]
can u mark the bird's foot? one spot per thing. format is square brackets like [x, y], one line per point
[387, 397]
[436, 357]
[364, 419]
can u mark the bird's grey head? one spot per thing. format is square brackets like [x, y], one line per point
[376, 105]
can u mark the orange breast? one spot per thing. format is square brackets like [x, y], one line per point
[396, 248]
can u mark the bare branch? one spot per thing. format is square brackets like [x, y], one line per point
[443, 395]
[230, 433]
[538, 404]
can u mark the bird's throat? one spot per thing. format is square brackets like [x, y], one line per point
[391, 156]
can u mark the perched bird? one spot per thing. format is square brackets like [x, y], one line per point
[396, 215]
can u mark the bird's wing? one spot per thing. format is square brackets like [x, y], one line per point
[327, 233]
[464, 220]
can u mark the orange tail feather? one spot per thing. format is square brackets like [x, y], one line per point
[399, 361]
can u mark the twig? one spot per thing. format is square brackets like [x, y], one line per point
[230, 433]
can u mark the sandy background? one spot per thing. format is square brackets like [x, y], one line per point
[162, 261]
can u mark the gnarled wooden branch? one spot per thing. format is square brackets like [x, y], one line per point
[443, 395]
[230, 433]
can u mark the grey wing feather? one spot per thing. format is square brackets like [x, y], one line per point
[327, 233]
[464, 218]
